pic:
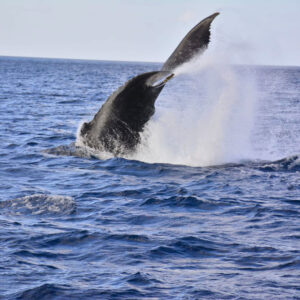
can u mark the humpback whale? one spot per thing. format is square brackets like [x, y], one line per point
[116, 127]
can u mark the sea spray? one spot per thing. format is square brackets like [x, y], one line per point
[204, 117]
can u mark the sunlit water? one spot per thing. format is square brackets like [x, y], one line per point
[208, 207]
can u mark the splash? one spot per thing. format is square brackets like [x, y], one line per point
[204, 117]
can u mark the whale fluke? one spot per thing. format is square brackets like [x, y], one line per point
[195, 41]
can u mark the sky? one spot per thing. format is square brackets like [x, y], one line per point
[249, 31]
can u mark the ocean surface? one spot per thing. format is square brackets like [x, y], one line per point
[207, 208]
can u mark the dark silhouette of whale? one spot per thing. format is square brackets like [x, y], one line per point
[117, 125]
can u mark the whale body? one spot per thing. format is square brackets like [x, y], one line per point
[117, 125]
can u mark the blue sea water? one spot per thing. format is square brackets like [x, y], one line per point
[207, 209]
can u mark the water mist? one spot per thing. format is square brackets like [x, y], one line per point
[203, 117]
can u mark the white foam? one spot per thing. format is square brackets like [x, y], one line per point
[208, 120]
[38, 204]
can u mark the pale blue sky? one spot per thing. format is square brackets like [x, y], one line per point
[251, 31]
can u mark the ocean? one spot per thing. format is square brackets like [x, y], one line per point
[207, 208]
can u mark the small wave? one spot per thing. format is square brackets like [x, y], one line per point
[39, 254]
[140, 279]
[68, 150]
[291, 163]
[191, 246]
[78, 151]
[55, 291]
[66, 239]
[45, 291]
[254, 263]
[40, 204]
[135, 238]
[185, 202]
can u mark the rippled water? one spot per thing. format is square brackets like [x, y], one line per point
[204, 210]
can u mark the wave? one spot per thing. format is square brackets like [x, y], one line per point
[191, 246]
[45, 291]
[58, 291]
[77, 150]
[188, 202]
[290, 163]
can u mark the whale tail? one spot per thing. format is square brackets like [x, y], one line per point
[194, 42]
[117, 125]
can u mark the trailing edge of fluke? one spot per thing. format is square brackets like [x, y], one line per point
[117, 125]
[196, 41]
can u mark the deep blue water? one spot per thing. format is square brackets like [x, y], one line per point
[76, 227]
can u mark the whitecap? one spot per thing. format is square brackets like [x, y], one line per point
[40, 204]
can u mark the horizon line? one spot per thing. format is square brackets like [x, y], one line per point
[127, 61]
[85, 59]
